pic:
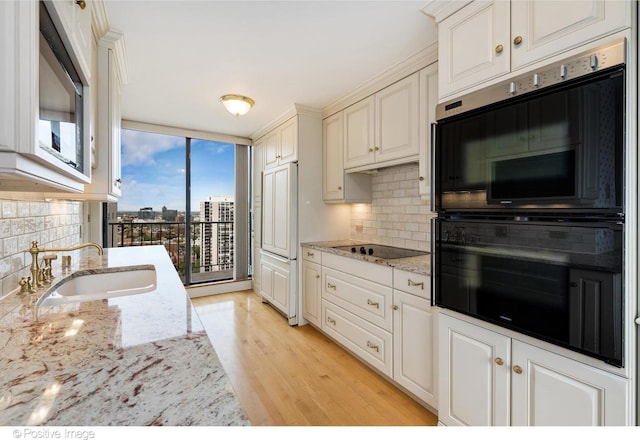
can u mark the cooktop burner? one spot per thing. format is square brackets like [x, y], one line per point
[381, 251]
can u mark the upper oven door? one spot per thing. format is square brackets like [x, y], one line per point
[556, 148]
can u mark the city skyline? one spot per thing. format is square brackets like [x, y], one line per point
[154, 171]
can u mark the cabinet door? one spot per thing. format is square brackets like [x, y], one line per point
[266, 281]
[332, 158]
[268, 182]
[397, 111]
[115, 172]
[271, 148]
[359, 133]
[414, 342]
[473, 46]
[473, 384]
[551, 390]
[428, 101]
[281, 291]
[76, 21]
[548, 28]
[311, 288]
[288, 141]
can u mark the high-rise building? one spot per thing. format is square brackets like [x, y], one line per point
[216, 223]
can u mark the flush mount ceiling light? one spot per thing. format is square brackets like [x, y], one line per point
[237, 104]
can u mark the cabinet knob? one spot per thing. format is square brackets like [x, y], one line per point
[81, 3]
[517, 369]
[376, 148]
[317, 276]
[370, 150]
[517, 41]
[339, 188]
[499, 48]
[499, 361]
[394, 307]
[421, 179]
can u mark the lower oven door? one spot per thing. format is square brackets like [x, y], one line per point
[555, 280]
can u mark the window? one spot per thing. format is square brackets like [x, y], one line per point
[189, 195]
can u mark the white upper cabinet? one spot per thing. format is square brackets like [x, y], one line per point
[471, 46]
[281, 144]
[111, 73]
[428, 101]
[336, 185]
[75, 18]
[383, 129]
[45, 123]
[487, 39]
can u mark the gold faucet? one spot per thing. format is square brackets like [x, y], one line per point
[35, 250]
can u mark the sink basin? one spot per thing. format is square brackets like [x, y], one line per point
[92, 285]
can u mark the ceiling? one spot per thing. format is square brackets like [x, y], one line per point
[183, 55]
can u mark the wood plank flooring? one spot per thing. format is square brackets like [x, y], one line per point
[296, 376]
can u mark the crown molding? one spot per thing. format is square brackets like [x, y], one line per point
[293, 110]
[114, 40]
[409, 66]
[99, 20]
[441, 9]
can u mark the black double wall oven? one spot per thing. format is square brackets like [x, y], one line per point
[529, 191]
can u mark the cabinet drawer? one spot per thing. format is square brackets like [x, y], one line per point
[313, 255]
[414, 283]
[363, 298]
[378, 273]
[368, 342]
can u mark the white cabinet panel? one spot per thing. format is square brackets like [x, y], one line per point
[278, 210]
[311, 292]
[473, 45]
[414, 346]
[551, 390]
[359, 134]
[428, 102]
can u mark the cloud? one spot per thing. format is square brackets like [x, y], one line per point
[140, 147]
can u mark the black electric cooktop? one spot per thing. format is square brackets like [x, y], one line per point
[381, 251]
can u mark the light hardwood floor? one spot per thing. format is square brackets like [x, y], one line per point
[295, 375]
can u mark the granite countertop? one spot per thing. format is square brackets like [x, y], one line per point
[134, 360]
[420, 264]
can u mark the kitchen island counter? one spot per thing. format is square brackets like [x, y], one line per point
[135, 360]
[419, 264]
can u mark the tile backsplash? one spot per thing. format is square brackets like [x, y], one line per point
[397, 215]
[51, 224]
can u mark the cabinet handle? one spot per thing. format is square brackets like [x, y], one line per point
[331, 286]
[517, 41]
[374, 304]
[331, 321]
[394, 307]
[421, 179]
[370, 150]
[373, 346]
[499, 361]
[118, 180]
[517, 369]
[411, 283]
[339, 188]
[317, 276]
[81, 3]
[310, 254]
[376, 148]
[499, 48]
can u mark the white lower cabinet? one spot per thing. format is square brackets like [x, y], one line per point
[311, 286]
[383, 316]
[489, 379]
[275, 281]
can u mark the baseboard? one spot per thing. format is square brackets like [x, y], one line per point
[218, 288]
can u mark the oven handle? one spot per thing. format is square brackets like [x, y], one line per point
[433, 266]
[432, 175]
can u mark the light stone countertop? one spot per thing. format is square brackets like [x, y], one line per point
[134, 360]
[420, 264]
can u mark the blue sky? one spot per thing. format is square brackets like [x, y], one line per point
[154, 171]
